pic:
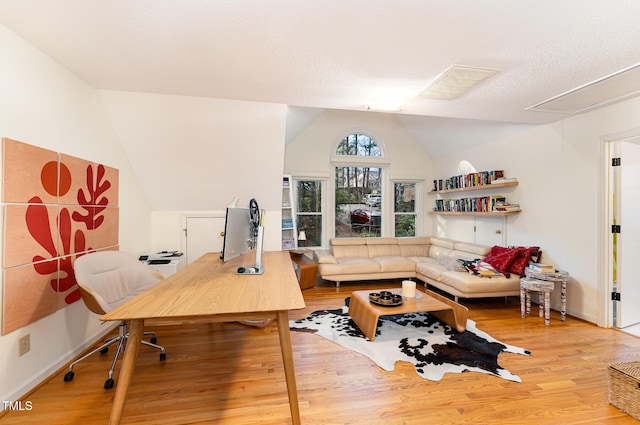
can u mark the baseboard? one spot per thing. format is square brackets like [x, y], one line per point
[23, 391]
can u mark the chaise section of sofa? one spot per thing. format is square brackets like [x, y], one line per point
[442, 271]
[430, 259]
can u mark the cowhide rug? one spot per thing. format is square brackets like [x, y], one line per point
[418, 338]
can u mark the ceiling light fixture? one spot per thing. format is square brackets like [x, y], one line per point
[387, 103]
[456, 81]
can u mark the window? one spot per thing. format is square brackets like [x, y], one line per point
[404, 209]
[309, 212]
[358, 189]
[358, 145]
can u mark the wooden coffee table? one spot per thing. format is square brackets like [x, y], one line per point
[365, 313]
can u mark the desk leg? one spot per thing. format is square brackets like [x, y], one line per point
[136, 329]
[287, 359]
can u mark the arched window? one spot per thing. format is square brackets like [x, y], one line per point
[358, 145]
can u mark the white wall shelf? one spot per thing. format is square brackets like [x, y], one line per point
[289, 226]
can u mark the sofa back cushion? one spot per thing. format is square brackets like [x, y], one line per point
[349, 247]
[443, 242]
[414, 247]
[436, 251]
[383, 247]
[472, 249]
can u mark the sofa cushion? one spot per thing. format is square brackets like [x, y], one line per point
[430, 268]
[349, 247]
[452, 264]
[472, 248]
[471, 284]
[445, 243]
[522, 261]
[350, 265]
[323, 256]
[436, 251]
[379, 247]
[465, 255]
[501, 258]
[414, 247]
[395, 264]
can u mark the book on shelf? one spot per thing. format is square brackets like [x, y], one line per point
[542, 268]
[287, 223]
[502, 205]
[462, 181]
[504, 180]
[288, 243]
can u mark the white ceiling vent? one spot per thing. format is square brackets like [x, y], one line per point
[455, 81]
[609, 89]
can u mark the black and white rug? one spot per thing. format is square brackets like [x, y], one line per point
[418, 338]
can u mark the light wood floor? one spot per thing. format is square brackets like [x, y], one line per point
[231, 374]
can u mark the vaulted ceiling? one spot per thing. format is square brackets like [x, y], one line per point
[339, 54]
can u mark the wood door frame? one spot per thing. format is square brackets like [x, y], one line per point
[183, 224]
[604, 317]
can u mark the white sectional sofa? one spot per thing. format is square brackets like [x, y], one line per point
[430, 259]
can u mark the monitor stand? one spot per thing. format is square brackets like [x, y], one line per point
[256, 268]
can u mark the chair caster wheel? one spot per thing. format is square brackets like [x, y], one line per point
[153, 340]
[108, 384]
[104, 350]
[68, 376]
[163, 356]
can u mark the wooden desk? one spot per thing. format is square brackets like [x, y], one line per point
[210, 289]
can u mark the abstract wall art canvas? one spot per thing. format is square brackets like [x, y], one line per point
[56, 208]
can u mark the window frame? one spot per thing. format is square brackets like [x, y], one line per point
[323, 207]
[417, 209]
[344, 160]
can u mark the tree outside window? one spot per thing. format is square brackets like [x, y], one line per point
[309, 212]
[404, 209]
[358, 194]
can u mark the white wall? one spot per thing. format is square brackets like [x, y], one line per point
[559, 170]
[45, 105]
[195, 154]
[309, 155]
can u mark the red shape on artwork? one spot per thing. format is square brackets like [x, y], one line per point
[64, 181]
[92, 219]
[37, 219]
[49, 177]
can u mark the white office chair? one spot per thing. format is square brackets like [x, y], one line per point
[106, 280]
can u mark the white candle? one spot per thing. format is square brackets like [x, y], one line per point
[408, 289]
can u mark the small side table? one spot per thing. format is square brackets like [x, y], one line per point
[308, 269]
[544, 289]
[557, 276]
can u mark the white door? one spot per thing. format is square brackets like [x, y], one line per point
[490, 231]
[628, 245]
[202, 234]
